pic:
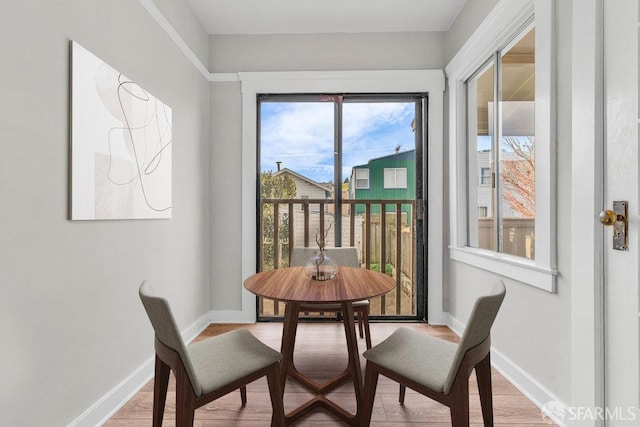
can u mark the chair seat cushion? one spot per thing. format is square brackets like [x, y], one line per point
[331, 306]
[223, 359]
[418, 357]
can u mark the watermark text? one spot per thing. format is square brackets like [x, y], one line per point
[555, 411]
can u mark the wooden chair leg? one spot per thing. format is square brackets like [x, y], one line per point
[243, 395]
[483, 374]
[275, 392]
[185, 407]
[460, 404]
[360, 328]
[370, 385]
[367, 330]
[160, 385]
[403, 390]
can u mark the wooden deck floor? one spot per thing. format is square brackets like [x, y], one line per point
[321, 353]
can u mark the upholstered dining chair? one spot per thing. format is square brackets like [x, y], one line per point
[345, 256]
[208, 369]
[437, 368]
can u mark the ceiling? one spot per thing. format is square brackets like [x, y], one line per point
[325, 16]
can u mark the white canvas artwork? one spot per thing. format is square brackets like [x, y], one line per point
[120, 145]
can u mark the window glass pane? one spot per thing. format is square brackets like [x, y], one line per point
[362, 178]
[297, 136]
[389, 178]
[296, 162]
[401, 178]
[517, 162]
[480, 98]
[485, 176]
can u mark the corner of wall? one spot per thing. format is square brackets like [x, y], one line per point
[525, 383]
[100, 412]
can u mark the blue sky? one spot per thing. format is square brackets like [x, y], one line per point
[300, 135]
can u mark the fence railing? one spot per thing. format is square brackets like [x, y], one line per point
[384, 242]
[518, 235]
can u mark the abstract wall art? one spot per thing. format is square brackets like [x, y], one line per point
[121, 143]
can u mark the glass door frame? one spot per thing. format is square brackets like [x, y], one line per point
[421, 101]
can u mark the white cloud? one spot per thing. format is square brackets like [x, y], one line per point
[361, 118]
[301, 135]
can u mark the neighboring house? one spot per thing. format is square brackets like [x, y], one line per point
[391, 177]
[485, 185]
[519, 230]
[306, 188]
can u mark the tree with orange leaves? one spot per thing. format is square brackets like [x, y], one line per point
[518, 175]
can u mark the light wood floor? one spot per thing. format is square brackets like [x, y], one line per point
[321, 353]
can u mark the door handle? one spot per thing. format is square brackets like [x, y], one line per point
[618, 218]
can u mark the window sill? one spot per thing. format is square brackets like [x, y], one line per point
[516, 268]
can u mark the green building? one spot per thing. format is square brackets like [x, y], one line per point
[391, 177]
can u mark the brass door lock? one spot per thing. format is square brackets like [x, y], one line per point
[618, 218]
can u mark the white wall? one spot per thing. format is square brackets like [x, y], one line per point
[533, 330]
[226, 201]
[73, 326]
[466, 23]
[334, 52]
[298, 52]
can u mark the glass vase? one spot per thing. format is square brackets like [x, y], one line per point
[321, 267]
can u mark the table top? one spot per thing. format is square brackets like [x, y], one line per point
[292, 284]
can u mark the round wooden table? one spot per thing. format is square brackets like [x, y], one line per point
[292, 286]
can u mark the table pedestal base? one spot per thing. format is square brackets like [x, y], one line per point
[352, 371]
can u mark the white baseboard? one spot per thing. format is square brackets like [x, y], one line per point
[196, 328]
[525, 383]
[100, 412]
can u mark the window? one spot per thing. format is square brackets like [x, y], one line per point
[362, 179]
[395, 177]
[501, 141]
[485, 176]
[502, 117]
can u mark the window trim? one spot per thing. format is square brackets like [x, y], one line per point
[497, 31]
[494, 127]
[362, 81]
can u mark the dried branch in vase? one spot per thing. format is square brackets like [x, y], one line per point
[325, 267]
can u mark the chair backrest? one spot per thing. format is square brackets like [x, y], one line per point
[478, 327]
[166, 329]
[346, 256]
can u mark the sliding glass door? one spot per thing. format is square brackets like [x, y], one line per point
[346, 168]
